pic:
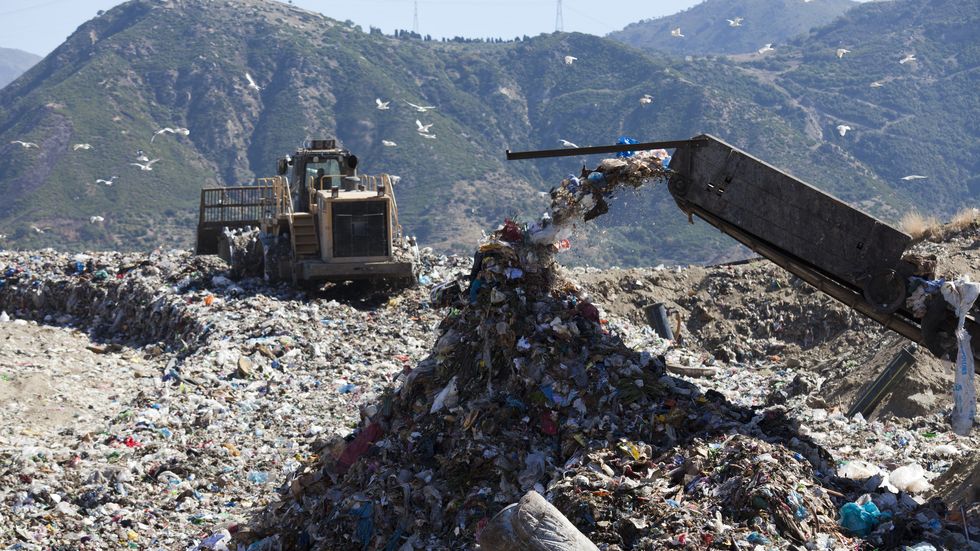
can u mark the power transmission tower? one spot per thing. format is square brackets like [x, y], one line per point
[415, 22]
[559, 20]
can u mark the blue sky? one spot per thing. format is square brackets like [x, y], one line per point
[39, 26]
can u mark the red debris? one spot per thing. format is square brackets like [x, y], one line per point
[357, 447]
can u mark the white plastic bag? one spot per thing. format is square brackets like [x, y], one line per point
[910, 478]
[961, 294]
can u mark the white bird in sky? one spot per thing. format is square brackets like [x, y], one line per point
[566, 143]
[907, 59]
[877, 84]
[676, 32]
[841, 52]
[911, 177]
[84, 146]
[767, 48]
[421, 108]
[251, 82]
[423, 128]
[646, 99]
[106, 182]
[737, 22]
[382, 105]
[569, 59]
[842, 129]
[430, 136]
[388, 143]
[25, 145]
[96, 220]
[168, 130]
[147, 167]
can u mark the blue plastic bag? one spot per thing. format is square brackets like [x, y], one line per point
[860, 519]
[625, 140]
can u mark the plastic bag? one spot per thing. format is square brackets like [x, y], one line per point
[860, 517]
[910, 478]
[961, 294]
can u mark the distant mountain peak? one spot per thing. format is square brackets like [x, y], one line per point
[13, 63]
[731, 26]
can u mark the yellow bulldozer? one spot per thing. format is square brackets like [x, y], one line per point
[319, 222]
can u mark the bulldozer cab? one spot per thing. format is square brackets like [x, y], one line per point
[321, 166]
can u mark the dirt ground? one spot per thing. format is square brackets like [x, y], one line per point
[56, 378]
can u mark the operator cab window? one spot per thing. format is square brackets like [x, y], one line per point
[325, 174]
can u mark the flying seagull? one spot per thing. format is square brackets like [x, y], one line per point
[96, 220]
[421, 108]
[877, 84]
[911, 177]
[737, 22]
[841, 52]
[382, 105]
[388, 143]
[907, 59]
[251, 82]
[147, 167]
[676, 32]
[569, 59]
[767, 48]
[25, 145]
[423, 128]
[106, 182]
[566, 143]
[37, 229]
[84, 146]
[168, 130]
[842, 129]
[430, 136]
[646, 99]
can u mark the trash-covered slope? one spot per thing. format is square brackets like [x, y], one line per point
[178, 399]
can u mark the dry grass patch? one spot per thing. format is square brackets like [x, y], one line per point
[921, 227]
[964, 219]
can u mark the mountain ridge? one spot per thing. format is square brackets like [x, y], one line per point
[144, 65]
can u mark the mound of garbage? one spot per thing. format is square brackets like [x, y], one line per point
[528, 388]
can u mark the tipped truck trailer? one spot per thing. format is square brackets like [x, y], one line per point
[318, 221]
[842, 251]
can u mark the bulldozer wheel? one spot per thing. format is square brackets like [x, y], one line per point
[885, 291]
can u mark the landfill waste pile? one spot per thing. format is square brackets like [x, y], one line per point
[159, 401]
[530, 386]
[154, 401]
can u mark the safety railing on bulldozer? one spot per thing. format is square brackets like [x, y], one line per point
[281, 199]
[239, 207]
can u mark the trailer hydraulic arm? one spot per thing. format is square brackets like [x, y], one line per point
[840, 250]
